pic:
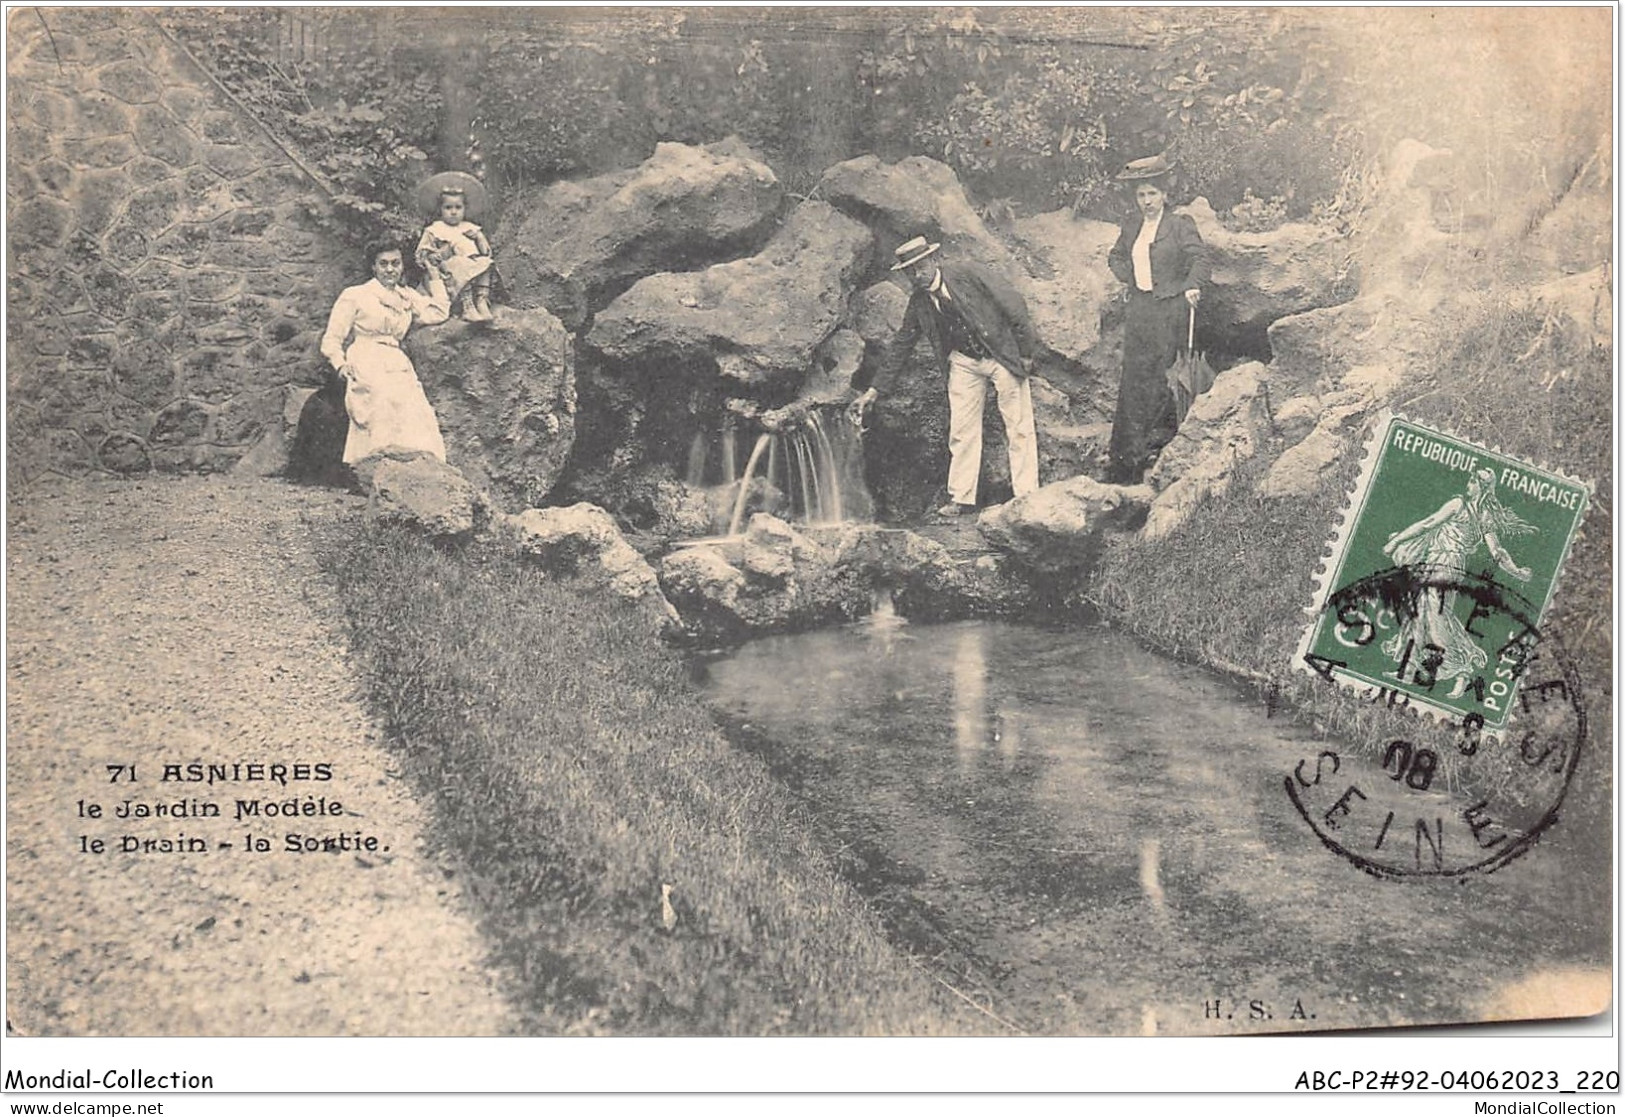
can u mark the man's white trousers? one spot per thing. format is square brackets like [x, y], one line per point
[968, 380]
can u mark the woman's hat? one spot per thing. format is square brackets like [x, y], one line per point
[1153, 166]
[912, 252]
[452, 182]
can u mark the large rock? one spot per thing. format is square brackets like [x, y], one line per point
[927, 581]
[505, 395]
[774, 579]
[425, 495]
[579, 244]
[1341, 415]
[1261, 276]
[583, 541]
[758, 321]
[1066, 290]
[1225, 427]
[1071, 284]
[1062, 527]
[916, 196]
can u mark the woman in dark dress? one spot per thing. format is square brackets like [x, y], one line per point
[1162, 259]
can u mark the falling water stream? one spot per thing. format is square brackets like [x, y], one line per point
[815, 466]
[1087, 838]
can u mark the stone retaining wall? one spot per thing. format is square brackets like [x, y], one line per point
[169, 276]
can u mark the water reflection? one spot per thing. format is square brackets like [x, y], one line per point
[970, 696]
[1103, 831]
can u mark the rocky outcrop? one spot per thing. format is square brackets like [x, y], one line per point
[426, 496]
[757, 321]
[1061, 273]
[582, 541]
[577, 245]
[927, 581]
[1061, 527]
[1259, 277]
[1071, 283]
[505, 395]
[777, 579]
[913, 197]
[1339, 421]
[1225, 427]
[773, 579]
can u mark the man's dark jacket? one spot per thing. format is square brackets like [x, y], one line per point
[1179, 259]
[990, 307]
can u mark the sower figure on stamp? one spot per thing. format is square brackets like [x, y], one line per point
[1164, 262]
[1442, 543]
[980, 330]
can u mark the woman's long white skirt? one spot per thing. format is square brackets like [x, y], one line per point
[388, 411]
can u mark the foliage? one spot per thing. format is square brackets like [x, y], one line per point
[360, 117]
[1241, 102]
[548, 107]
[1013, 121]
[1036, 113]
[1252, 214]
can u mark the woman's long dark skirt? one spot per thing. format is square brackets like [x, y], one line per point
[1153, 335]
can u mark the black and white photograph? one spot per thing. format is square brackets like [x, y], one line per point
[635, 523]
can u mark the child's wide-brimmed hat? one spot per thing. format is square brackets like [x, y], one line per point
[912, 252]
[452, 182]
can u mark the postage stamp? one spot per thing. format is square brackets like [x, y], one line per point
[1441, 573]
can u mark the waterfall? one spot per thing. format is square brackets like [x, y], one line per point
[694, 475]
[744, 485]
[814, 466]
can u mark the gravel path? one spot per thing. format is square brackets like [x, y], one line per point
[185, 621]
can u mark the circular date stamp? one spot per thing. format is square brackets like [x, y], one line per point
[1439, 576]
[1454, 795]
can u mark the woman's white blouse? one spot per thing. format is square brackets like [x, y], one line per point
[1141, 253]
[372, 310]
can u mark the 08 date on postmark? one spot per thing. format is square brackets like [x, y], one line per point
[1432, 599]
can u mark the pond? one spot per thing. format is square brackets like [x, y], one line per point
[1085, 838]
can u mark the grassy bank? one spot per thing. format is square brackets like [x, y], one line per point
[1228, 587]
[572, 771]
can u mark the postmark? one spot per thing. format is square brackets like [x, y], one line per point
[1431, 601]
[1467, 527]
[1454, 796]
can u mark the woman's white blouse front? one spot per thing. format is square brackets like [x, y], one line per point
[373, 311]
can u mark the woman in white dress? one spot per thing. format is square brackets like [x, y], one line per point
[388, 411]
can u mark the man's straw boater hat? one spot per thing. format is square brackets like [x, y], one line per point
[1154, 166]
[912, 252]
[432, 188]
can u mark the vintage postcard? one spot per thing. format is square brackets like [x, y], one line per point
[736, 522]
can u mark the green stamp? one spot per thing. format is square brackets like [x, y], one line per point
[1441, 573]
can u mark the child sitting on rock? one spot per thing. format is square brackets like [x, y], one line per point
[458, 250]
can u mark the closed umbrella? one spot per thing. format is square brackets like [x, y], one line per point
[1190, 375]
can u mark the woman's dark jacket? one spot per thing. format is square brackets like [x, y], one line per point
[1179, 259]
